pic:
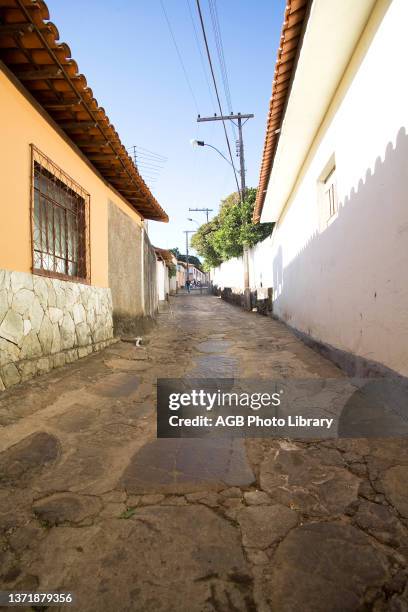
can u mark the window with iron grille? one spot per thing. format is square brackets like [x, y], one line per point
[60, 222]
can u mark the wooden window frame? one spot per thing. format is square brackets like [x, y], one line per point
[331, 202]
[73, 191]
[327, 195]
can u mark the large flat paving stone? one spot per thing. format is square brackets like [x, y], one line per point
[119, 384]
[395, 483]
[214, 366]
[24, 460]
[66, 507]
[185, 465]
[263, 526]
[161, 559]
[213, 346]
[324, 567]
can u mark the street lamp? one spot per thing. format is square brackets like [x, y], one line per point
[194, 221]
[200, 143]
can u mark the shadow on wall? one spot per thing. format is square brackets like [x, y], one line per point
[278, 272]
[347, 287]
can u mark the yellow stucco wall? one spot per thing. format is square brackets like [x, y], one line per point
[22, 124]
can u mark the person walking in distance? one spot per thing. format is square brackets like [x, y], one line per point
[188, 285]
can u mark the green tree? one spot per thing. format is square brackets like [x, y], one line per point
[226, 234]
[175, 252]
[202, 243]
[172, 270]
[193, 260]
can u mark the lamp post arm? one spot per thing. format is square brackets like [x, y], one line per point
[222, 155]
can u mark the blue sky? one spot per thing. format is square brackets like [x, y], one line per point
[126, 52]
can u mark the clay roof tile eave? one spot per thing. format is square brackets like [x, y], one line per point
[29, 43]
[291, 36]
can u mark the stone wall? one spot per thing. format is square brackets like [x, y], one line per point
[260, 299]
[45, 323]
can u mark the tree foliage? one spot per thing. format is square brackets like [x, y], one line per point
[172, 270]
[192, 259]
[226, 234]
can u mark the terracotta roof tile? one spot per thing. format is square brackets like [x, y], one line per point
[164, 254]
[29, 45]
[295, 15]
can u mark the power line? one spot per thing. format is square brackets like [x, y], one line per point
[220, 52]
[148, 163]
[179, 56]
[151, 160]
[201, 55]
[216, 91]
[221, 57]
[150, 152]
[147, 166]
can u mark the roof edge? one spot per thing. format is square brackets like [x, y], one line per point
[293, 27]
[32, 52]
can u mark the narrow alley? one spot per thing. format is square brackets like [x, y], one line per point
[87, 490]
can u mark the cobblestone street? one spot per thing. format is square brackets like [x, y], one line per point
[91, 502]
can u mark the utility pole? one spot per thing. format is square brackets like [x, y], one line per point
[187, 232]
[205, 210]
[237, 121]
[241, 154]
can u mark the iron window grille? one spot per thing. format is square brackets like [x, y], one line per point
[60, 211]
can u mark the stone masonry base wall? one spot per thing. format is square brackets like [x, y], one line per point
[259, 299]
[45, 323]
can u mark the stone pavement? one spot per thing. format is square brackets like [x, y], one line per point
[92, 502]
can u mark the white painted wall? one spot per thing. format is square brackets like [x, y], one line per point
[347, 285]
[162, 280]
[260, 265]
[332, 33]
[229, 274]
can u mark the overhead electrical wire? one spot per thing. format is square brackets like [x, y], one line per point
[213, 102]
[216, 91]
[156, 158]
[148, 163]
[148, 167]
[221, 57]
[180, 57]
[220, 50]
[150, 153]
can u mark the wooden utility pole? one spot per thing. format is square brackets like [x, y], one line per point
[187, 232]
[237, 121]
[205, 210]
